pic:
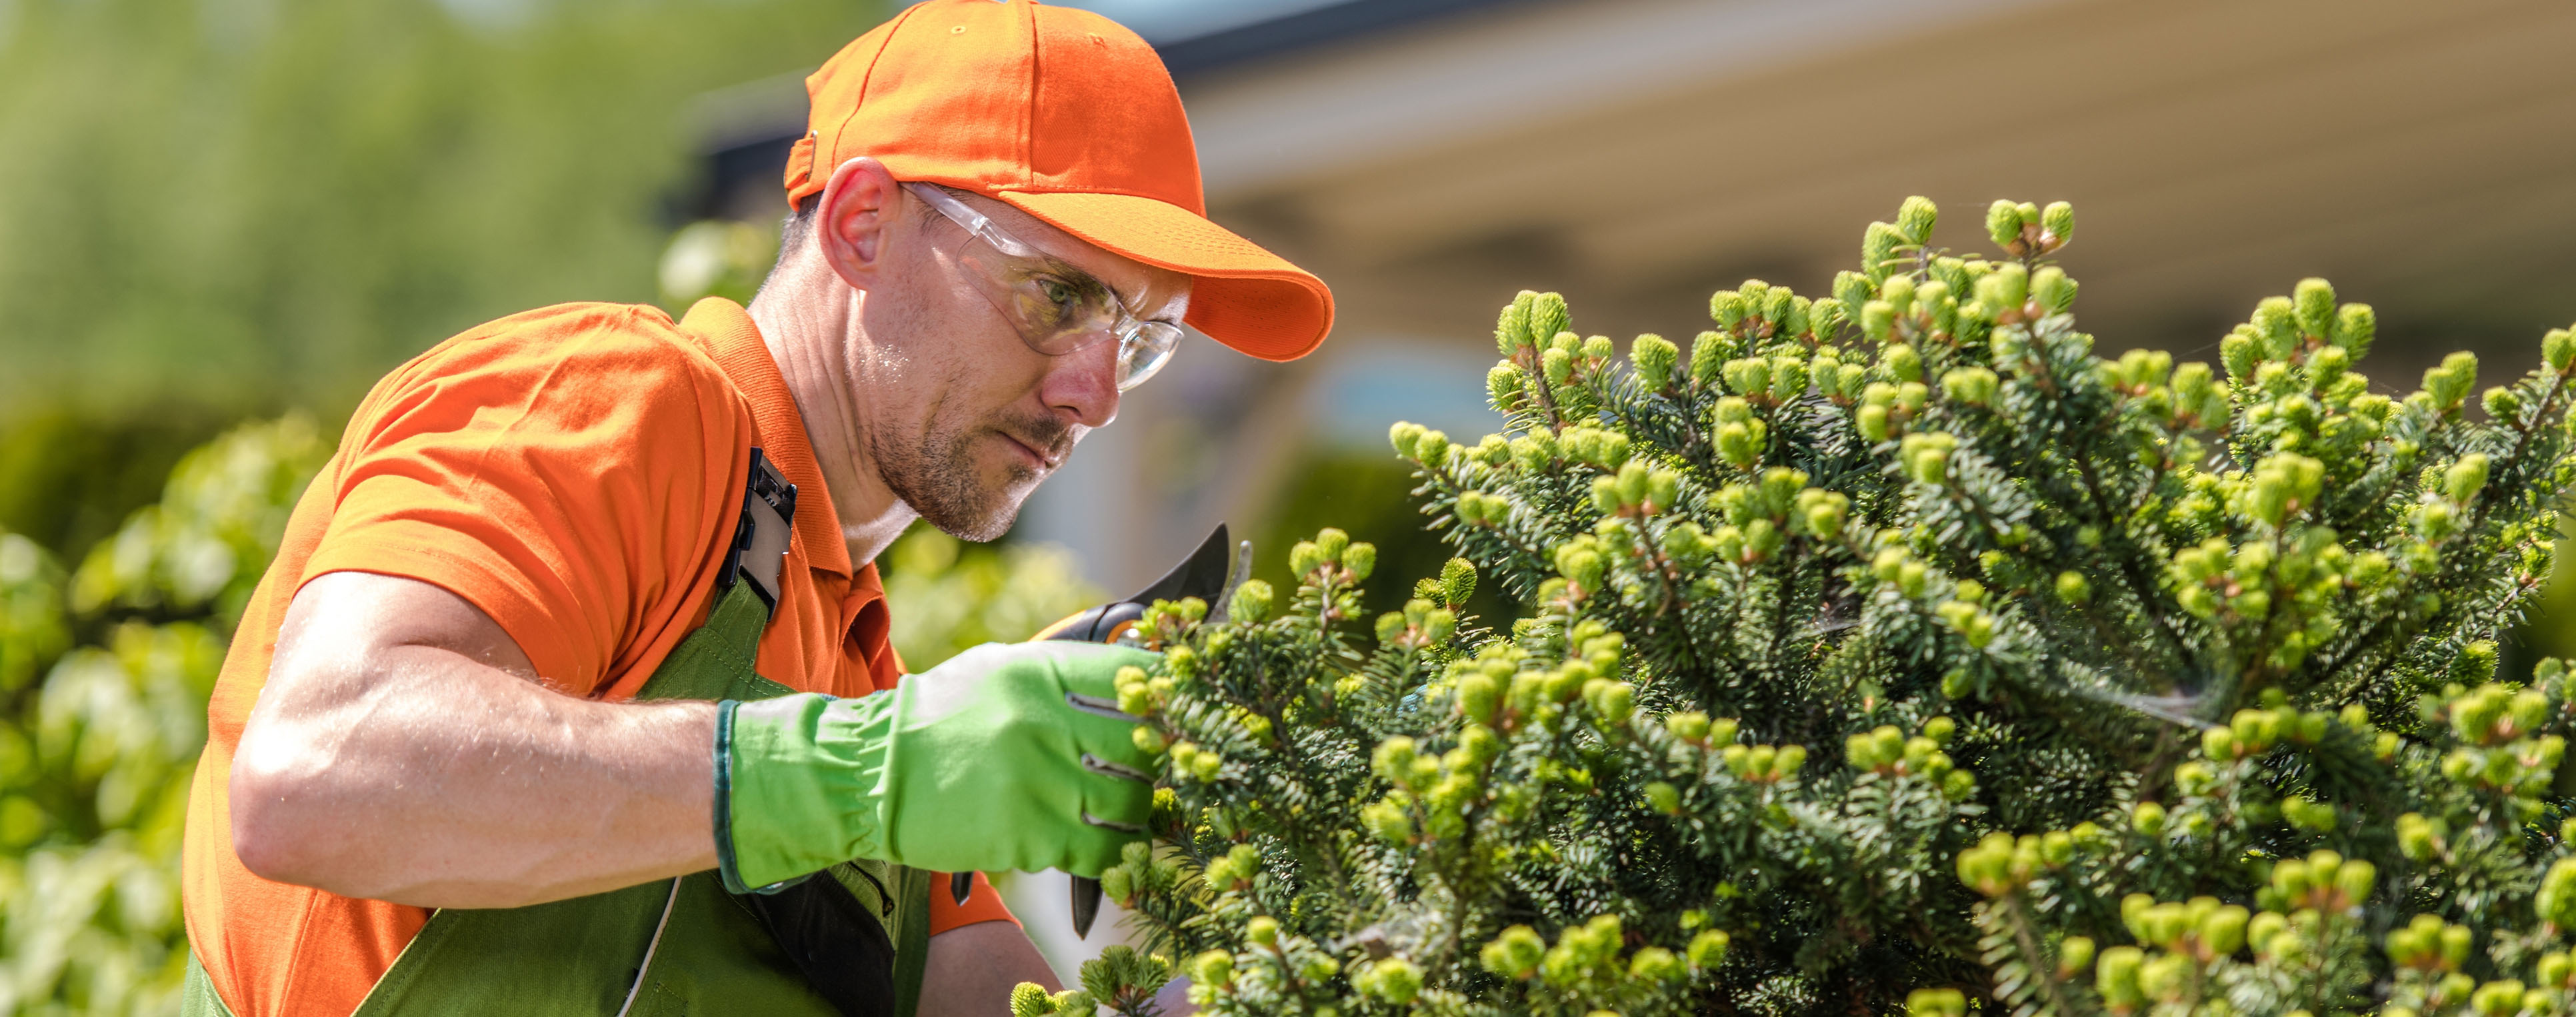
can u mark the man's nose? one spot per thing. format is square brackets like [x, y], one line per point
[1082, 386]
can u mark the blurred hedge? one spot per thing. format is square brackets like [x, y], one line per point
[67, 477]
[95, 758]
[943, 595]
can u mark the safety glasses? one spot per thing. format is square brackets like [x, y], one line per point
[1057, 308]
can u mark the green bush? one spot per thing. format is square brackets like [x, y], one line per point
[943, 596]
[69, 478]
[95, 758]
[1890, 650]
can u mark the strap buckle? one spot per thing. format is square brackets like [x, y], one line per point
[761, 536]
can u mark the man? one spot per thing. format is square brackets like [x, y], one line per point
[531, 715]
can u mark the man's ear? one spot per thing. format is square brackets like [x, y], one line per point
[858, 209]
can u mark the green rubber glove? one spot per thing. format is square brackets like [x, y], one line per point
[1008, 756]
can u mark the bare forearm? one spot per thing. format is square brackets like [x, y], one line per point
[421, 775]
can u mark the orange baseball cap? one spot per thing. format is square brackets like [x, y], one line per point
[1065, 115]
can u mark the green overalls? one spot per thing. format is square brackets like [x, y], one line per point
[850, 945]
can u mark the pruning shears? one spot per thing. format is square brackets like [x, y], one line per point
[1210, 573]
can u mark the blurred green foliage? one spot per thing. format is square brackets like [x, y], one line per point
[716, 258]
[95, 758]
[945, 595]
[2551, 629]
[69, 476]
[202, 548]
[258, 203]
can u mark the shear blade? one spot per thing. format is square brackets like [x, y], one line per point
[1200, 575]
[1086, 905]
[1208, 574]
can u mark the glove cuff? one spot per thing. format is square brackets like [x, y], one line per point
[726, 870]
[799, 786]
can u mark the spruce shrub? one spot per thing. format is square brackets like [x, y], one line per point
[1892, 650]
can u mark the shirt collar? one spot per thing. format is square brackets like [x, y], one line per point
[735, 343]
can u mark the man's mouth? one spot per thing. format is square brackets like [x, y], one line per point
[1043, 456]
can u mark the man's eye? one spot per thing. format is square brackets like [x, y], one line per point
[1059, 293]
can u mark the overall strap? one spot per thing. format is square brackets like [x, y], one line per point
[832, 926]
[715, 662]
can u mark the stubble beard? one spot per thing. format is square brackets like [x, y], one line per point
[937, 476]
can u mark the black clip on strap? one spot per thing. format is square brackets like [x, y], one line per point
[759, 551]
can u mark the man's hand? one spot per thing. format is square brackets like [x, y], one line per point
[1005, 757]
[402, 750]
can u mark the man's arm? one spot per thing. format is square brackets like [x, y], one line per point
[402, 750]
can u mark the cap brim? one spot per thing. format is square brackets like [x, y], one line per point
[1243, 296]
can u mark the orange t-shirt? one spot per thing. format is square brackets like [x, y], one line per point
[575, 472]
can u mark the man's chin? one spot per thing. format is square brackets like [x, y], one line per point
[978, 528]
[978, 502]
[991, 517]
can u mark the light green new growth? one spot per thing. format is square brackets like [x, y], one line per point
[1895, 652]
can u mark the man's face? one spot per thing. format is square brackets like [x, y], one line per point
[959, 416]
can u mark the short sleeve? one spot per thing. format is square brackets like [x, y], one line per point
[563, 471]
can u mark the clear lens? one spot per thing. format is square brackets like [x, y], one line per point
[1145, 351]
